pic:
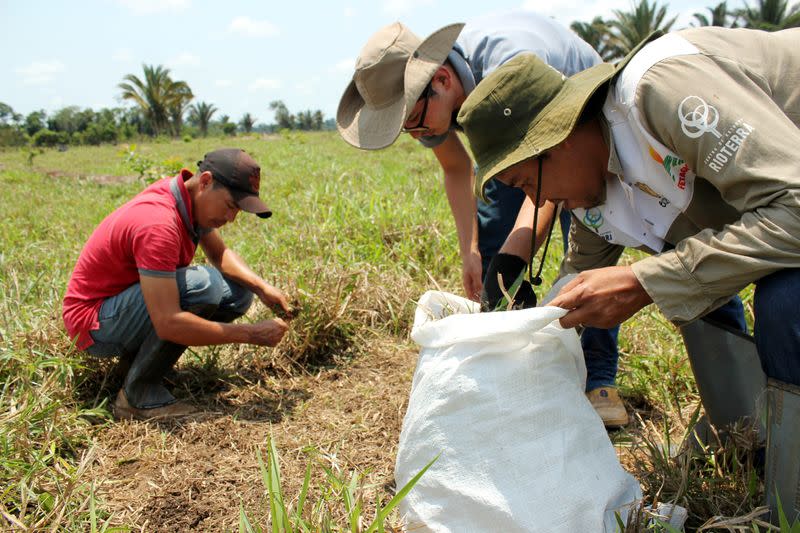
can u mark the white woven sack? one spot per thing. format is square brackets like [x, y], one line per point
[500, 398]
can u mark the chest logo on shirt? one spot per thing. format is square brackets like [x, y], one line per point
[675, 167]
[593, 218]
[697, 117]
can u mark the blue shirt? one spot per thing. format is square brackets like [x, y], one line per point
[483, 45]
[487, 42]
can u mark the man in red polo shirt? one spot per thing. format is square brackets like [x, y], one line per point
[134, 294]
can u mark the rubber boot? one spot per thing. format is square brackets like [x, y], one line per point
[783, 450]
[144, 383]
[728, 373]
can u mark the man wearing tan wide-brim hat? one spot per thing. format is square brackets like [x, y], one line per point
[687, 149]
[405, 83]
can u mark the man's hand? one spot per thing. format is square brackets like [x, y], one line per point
[471, 275]
[275, 299]
[267, 332]
[601, 298]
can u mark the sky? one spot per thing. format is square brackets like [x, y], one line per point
[237, 55]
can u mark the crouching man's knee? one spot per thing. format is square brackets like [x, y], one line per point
[201, 289]
[235, 302]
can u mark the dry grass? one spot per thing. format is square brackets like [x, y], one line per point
[355, 248]
[193, 474]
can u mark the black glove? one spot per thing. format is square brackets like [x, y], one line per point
[509, 266]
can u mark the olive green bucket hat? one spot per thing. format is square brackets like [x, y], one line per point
[525, 108]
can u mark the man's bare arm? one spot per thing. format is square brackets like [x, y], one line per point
[458, 183]
[232, 266]
[518, 241]
[182, 327]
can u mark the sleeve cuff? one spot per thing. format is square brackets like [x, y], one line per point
[676, 293]
[156, 273]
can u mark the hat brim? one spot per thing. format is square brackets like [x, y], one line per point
[552, 125]
[366, 128]
[373, 129]
[251, 204]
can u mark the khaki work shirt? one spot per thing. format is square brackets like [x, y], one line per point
[739, 134]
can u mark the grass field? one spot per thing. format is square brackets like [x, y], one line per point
[356, 237]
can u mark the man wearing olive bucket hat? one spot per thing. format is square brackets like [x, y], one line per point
[406, 84]
[688, 149]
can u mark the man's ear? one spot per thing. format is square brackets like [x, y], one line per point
[444, 77]
[206, 179]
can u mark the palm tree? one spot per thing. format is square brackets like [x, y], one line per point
[154, 94]
[177, 109]
[596, 34]
[319, 119]
[771, 15]
[720, 16]
[282, 115]
[200, 114]
[632, 27]
[247, 122]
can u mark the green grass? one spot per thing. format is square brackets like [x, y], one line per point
[356, 237]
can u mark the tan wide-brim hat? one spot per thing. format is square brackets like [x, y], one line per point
[392, 71]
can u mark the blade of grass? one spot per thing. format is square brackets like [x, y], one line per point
[383, 513]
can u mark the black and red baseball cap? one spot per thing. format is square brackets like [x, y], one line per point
[234, 168]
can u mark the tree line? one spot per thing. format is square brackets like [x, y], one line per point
[160, 104]
[613, 38]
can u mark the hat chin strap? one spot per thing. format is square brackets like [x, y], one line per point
[537, 279]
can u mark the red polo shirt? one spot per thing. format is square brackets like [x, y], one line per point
[144, 236]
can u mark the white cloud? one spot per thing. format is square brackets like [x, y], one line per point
[304, 87]
[223, 83]
[568, 11]
[122, 55]
[150, 7]
[686, 17]
[349, 12]
[40, 72]
[184, 59]
[345, 65]
[264, 84]
[252, 27]
[402, 7]
[308, 86]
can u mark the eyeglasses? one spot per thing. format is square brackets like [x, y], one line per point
[426, 94]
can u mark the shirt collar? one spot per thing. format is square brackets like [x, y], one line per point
[464, 73]
[462, 69]
[183, 203]
[184, 175]
[614, 164]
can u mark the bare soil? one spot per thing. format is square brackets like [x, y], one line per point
[193, 474]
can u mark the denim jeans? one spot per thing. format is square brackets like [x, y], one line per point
[125, 322]
[599, 345]
[777, 324]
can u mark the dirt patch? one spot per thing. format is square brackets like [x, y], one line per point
[193, 474]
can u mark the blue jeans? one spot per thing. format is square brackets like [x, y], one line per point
[125, 322]
[600, 349]
[496, 219]
[777, 324]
